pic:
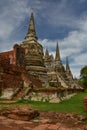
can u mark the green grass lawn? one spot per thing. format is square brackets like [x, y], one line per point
[72, 105]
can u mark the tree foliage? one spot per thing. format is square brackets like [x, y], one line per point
[83, 72]
[83, 77]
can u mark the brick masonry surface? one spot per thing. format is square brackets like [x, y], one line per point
[46, 121]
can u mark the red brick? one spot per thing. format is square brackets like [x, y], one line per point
[2, 118]
[53, 127]
[41, 127]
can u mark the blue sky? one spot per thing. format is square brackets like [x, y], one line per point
[64, 21]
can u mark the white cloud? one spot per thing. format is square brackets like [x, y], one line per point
[81, 59]
[11, 17]
[48, 43]
[5, 30]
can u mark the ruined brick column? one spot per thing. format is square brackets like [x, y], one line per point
[85, 103]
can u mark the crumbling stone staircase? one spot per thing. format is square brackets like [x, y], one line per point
[17, 93]
[27, 93]
[23, 92]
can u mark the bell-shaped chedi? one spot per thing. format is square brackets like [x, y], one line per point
[34, 62]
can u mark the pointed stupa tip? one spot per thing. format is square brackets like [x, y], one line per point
[57, 56]
[46, 52]
[31, 29]
[67, 64]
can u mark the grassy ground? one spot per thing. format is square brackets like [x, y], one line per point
[73, 105]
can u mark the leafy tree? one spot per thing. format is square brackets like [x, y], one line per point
[83, 77]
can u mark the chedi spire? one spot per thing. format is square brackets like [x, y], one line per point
[46, 52]
[31, 34]
[67, 66]
[57, 56]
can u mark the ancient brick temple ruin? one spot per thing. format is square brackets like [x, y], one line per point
[27, 64]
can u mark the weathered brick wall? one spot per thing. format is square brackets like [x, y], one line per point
[10, 75]
[7, 57]
[15, 56]
[19, 53]
[28, 79]
[11, 81]
[35, 81]
[4, 61]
